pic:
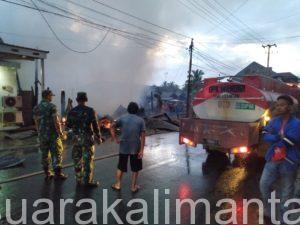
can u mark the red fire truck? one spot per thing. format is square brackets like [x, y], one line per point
[229, 115]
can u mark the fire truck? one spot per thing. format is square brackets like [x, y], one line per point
[229, 113]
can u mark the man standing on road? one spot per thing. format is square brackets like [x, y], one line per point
[83, 122]
[50, 133]
[132, 144]
[283, 155]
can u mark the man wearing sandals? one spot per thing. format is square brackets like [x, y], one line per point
[132, 142]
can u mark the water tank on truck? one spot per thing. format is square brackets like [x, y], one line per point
[229, 114]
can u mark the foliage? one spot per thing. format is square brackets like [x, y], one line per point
[196, 81]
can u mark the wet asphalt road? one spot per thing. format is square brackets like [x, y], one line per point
[167, 165]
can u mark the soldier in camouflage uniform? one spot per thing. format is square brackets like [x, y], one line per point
[50, 133]
[83, 124]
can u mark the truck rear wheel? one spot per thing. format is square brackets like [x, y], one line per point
[205, 169]
[252, 160]
[239, 161]
[215, 161]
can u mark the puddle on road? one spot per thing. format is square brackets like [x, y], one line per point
[229, 182]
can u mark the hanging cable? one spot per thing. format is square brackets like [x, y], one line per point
[61, 41]
[140, 19]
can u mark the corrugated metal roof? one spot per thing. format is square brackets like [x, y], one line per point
[14, 52]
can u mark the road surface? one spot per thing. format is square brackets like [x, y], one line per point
[170, 172]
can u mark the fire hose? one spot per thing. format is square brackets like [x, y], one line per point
[42, 172]
[64, 138]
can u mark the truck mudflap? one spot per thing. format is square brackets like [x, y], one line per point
[218, 134]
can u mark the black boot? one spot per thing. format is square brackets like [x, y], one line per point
[59, 175]
[92, 184]
[48, 174]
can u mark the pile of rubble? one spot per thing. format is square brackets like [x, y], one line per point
[154, 123]
[162, 122]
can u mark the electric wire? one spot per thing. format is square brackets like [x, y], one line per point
[111, 17]
[238, 19]
[209, 18]
[84, 19]
[61, 41]
[141, 19]
[233, 12]
[124, 34]
[128, 36]
[233, 24]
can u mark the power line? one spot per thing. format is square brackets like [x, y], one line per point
[113, 18]
[250, 41]
[220, 13]
[238, 19]
[61, 41]
[78, 18]
[216, 20]
[230, 27]
[137, 34]
[205, 68]
[213, 61]
[282, 18]
[124, 34]
[234, 11]
[206, 62]
[287, 37]
[140, 19]
[210, 58]
[209, 18]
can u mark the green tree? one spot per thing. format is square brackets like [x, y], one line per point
[196, 81]
[169, 87]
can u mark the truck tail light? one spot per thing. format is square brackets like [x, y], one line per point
[240, 150]
[187, 141]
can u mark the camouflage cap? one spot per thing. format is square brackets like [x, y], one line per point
[46, 93]
[81, 96]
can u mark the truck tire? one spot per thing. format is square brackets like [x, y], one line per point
[205, 169]
[216, 161]
[252, 160]
[238, 161]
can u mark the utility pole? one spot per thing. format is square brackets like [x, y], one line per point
[268, 60]
[36, 84]
[189, 79]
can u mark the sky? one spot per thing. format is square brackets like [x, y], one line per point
[144, 42]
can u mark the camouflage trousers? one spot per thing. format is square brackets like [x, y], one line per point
[83, 157]
[52, 150]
